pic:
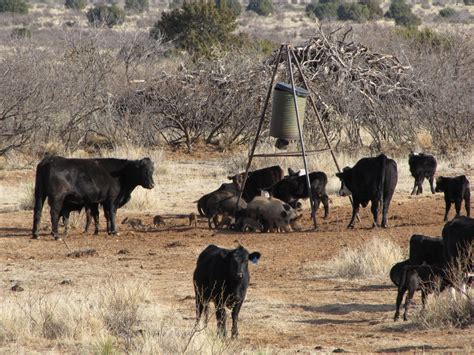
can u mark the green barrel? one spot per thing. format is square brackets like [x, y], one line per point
[283, 124]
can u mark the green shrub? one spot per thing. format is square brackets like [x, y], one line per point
[76, 4]
[261, 7]
[375, 11]
[138, 6]
[447, 12]
[106, 15]
[20, 33]
[425, 38]
[401, 12]
[468, 2]
[353, 12]
[232, 5]
[199, 28]
[15, 6]
[323, 11]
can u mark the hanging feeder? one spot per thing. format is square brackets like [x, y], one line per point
[284, 125]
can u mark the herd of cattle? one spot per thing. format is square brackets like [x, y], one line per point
[269, 202]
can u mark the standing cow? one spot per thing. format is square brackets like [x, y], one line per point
[222, 276]
[371, 179]
[458, 240]
[422, 166]
[294, 187]
[456, 189]
[256, 181]
[88, 182]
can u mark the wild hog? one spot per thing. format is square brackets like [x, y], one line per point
[273, 213]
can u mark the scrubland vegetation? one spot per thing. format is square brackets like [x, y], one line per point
[139, 78]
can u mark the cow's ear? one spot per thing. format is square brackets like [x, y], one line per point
[230, 177]
[339, 175]
[291, 172]
[255, 257]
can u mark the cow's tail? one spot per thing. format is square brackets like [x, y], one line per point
[200, 207]
[380, 192]
[40, 195]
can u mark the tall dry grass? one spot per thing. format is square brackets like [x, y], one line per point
[445, 311]
[371, 259]
[116, 317]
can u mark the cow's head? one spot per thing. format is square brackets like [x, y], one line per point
[238, 180]
[440, 184]
[344, 177]
[238, 260]
[146, 168]
[291, 172]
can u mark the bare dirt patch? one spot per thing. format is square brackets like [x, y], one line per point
[293, 302]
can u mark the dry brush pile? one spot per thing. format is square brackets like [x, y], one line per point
[106, 89]
[360, 89]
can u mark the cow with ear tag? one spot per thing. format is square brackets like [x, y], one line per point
[222, 276]
[370, 180]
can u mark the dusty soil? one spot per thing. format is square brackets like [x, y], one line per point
[292, 303]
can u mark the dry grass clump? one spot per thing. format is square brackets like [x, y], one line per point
[27, 199]
[372, 259]
[444, 311]
[119, 307]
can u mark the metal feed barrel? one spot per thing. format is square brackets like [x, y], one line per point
[283, 124]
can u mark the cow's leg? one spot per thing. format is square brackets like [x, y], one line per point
[201, 307]
[414, 187]
[420, 185]
[107, 220]
[411, 292]
[235, 318]
[467, 202]
[355, 211]
[431, 180]
[111, 211]
[39, 202]
[448, 207]
[325, 201]
[423, 297]
[385, 207]
[374, 207]
[401, 292]
[88, 219]
[94, 211]
[221, 318]
[457, 207]
[55, 210]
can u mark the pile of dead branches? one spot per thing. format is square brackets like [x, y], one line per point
[359, 88]
[349, 64]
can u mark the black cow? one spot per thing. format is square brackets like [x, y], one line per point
[257, 180]
[426, 250]
[371, 179]
[84, 182]
[202, 202]
[422, 166]
[92, 211]
[455, 190]
[294, 187]
[458, 236]
[423, 250]
[424, 278]
[222, 276]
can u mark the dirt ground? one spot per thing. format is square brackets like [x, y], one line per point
[292, 303]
